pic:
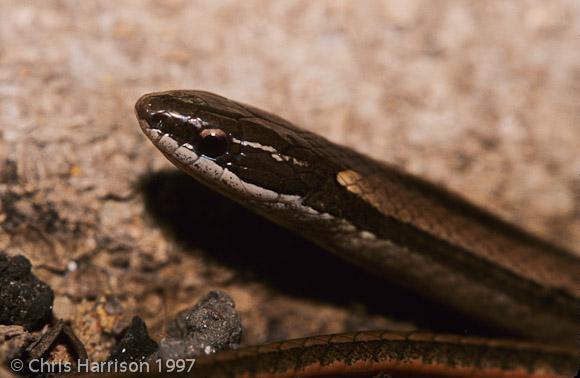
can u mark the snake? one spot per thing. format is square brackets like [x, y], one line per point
[394, 225]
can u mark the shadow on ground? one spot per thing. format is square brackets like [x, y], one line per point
[258, 250]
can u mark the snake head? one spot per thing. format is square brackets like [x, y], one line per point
[245, 153]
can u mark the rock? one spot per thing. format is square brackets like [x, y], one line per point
[24, 299]
[211, 325]
[13, 341]
[135, 343]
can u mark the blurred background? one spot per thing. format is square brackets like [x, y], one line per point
[481, 97]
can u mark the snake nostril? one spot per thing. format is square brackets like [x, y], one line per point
[156, 120]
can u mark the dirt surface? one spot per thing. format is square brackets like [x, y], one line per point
[481, 97]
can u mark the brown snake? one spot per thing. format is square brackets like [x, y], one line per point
[395, 225]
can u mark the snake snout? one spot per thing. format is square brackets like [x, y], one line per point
[141, 106]
[144, 110]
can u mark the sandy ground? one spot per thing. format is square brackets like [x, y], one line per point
[482, 97]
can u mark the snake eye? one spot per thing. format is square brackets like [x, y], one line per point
[213, 143]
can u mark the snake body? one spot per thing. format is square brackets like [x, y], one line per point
[372, 214]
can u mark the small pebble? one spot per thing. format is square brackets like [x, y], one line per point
[135, 343]
[213, 324]
[24, 299]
